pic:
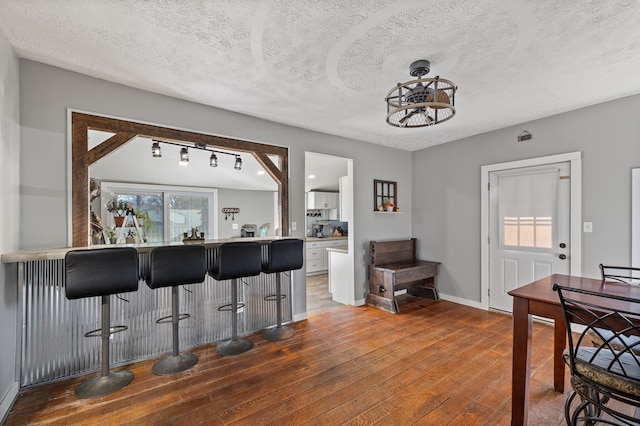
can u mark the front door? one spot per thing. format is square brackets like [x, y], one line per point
[529, 228]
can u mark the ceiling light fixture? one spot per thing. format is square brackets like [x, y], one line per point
[184, 153]
[156, 150]
[421, 102]
[184, 157]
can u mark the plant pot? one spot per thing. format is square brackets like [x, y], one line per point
[389, 208]
[113, 240]
[119, 220]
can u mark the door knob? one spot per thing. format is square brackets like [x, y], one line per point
[562, 256]
[562, 245]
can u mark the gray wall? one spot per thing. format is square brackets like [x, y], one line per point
[9, 220]
[46, 92]
[446, 200]
[256, 207]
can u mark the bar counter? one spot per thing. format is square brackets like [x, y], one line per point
[51, 328]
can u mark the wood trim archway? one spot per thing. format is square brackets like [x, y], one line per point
[124, 131]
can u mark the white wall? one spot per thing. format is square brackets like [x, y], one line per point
[256, 207]
[446, 209]
[46, 92]
[9, 221]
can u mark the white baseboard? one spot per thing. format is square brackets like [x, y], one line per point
[461, 301]
[7, 401]
[360, 302]
[299, 317]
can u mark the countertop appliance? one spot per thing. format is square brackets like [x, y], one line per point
[248, 230]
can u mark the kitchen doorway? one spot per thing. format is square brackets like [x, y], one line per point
[329, 242]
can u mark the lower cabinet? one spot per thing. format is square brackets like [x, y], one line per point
[317, 257]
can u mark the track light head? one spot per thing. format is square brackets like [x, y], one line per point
[238, 165]
[156, 151]
[184, 157]
[213, 160]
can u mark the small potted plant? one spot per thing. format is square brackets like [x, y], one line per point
[110, 233]
[388, 205]
[119, 209]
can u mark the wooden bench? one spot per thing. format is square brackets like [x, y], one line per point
[394, 271]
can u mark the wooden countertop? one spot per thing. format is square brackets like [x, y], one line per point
[59, 253]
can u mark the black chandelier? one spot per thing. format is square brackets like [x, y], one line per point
[156, 151]
[421, 102]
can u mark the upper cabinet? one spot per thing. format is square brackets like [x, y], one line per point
[322, 200]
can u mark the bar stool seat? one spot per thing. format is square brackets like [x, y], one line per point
[102, 272]
[282, 256]
[235, 261]
[173, 266]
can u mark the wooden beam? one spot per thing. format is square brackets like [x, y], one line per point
[124, 131]
[108, 146]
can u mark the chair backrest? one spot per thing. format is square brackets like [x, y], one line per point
[176, 265]
[616, 321]
[237, 260]
[625, 274]
[283, 255]
[100, 272]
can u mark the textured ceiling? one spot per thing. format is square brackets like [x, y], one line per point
[327, 65]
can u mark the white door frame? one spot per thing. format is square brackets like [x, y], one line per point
[575, 265]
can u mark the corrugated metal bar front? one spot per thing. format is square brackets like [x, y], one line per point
[52, 331]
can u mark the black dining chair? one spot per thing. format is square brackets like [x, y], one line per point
[624, 274]
[605, 377]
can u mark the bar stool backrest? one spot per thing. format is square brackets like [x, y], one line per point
[237, 260]
[283, 255]
[176, 265]
[100, 272]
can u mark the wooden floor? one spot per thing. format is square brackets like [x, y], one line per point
[318, 297]
[436, 363]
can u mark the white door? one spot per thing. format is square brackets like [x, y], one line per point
[529, 228]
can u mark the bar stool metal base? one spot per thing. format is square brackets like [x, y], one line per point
[174, 364]
[278, 333]
[234, 347]
[104, 385]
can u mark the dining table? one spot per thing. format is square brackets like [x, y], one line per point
[539, 299]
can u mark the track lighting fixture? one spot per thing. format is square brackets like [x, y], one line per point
[156, 151]
[184, 157]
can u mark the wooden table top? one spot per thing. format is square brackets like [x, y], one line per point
[542, 290]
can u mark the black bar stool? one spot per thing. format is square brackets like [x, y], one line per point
[235, 261]
[282, 255]
[174, 266]
[102, 272]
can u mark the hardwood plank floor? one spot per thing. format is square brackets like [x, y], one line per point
[318, 297]
[436, 363]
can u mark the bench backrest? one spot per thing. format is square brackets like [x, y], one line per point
[384, 252]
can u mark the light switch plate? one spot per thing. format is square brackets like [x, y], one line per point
[294, 226]
[587, 227]
[234, 226]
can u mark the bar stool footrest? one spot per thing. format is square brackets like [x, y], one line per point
[274, 297]
[169, 318]
[234, 347]
[112, 330]
[229, 307]
[275, 334]
[174, 364]
[104, 385]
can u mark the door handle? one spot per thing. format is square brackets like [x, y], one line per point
[562, 256]
[562, 245]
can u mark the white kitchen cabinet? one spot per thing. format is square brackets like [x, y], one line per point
[322, 200]
[317, 257]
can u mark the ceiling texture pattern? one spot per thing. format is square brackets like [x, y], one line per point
[327, 65]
